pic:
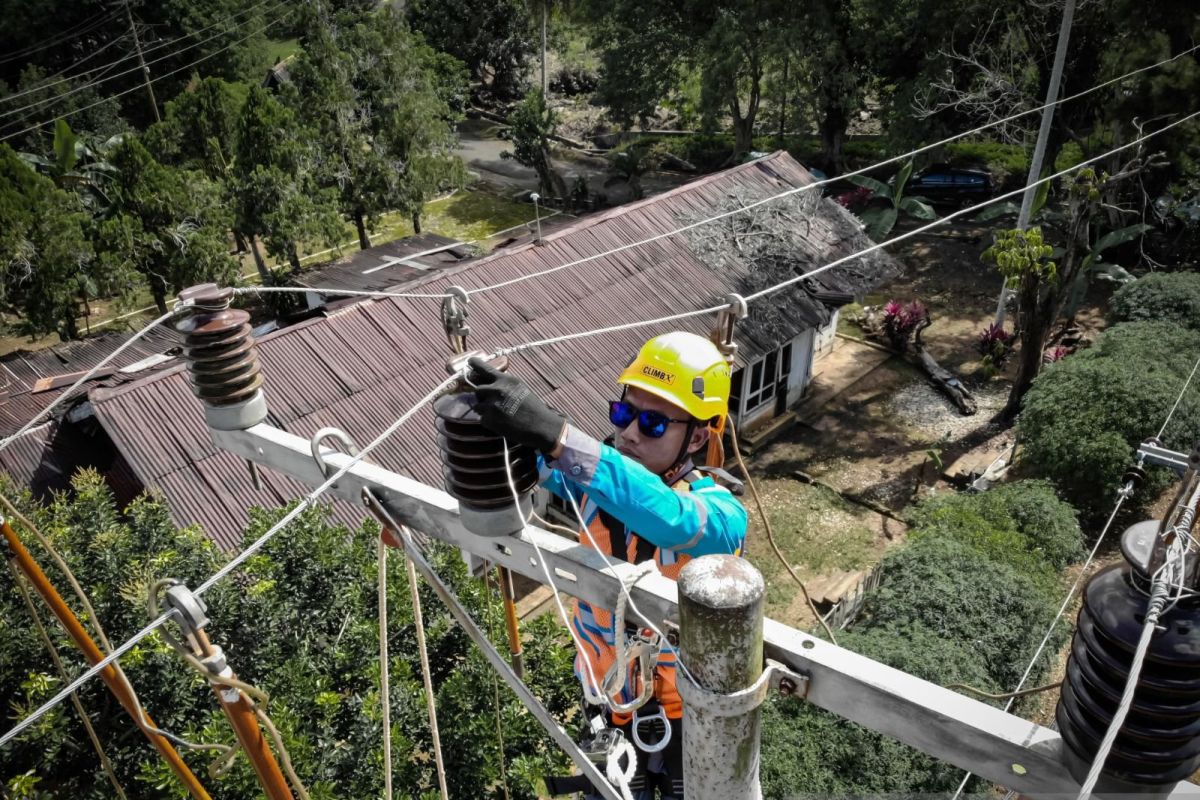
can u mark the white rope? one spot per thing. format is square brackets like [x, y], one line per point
[385, 690]
[137, 68]
[826, 181]
[87, 376]
[426, 675]
[140, 86]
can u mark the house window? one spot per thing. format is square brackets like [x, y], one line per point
[768, 377]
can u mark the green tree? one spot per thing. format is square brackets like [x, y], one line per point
[492, 38]
[1163, 296]
[76, 167]
[374, 95]
[46, 262]
[277, 194]
[199, 127]
[531, 126]
[299, 620]
[165, 225]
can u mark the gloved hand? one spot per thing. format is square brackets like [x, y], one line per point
[509, 408]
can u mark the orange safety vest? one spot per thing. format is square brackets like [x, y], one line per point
[594, 626]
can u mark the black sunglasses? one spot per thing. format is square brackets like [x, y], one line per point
[651, 423]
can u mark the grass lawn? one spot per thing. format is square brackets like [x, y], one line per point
[818, 532]
[465, 215]
[277, 50]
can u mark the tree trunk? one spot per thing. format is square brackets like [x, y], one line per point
[743, 134]
[294, 259]
[360, 225]
[1036, 318]
[263, 272]
[833, 134]
[416, 221]
[783, 103]
[239, 241]
[159, 291]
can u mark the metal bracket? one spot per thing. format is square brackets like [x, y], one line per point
[1155, 455]
[454, 317]
[775, 676]
[727, 322]
[331, 433]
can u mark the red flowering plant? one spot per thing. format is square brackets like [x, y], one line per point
[901, 321]
[855, 199]
[1055, 354]
[995, 345]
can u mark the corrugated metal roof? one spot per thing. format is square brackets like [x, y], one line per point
[379, 267]
[365, 364]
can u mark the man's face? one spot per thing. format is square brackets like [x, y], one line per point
[656, 455]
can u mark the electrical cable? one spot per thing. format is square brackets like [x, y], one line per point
[762, 513]
[44, 86]
[827, 181]
[139, 87]
[86, 377]
[491, 615]
[139, 67]
[79, 29]
[233, 564]
[1178, 399]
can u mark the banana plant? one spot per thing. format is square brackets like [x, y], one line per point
[880, 219]
[76, 167]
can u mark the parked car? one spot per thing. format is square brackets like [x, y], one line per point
[942, 183]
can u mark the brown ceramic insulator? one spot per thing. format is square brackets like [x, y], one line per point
[219, 347]
[475, 471]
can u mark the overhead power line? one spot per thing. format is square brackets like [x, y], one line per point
[139, 67]
[52, 83]
[165, 75]
[309, 499]
[78, 30]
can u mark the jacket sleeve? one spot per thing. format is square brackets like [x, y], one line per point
[706, 520]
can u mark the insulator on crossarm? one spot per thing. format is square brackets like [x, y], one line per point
[222, 358]
[1159, 743]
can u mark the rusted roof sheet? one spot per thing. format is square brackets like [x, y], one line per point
[362, 366]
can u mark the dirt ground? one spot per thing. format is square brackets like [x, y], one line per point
[887, 437]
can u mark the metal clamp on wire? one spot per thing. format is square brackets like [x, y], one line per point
[727, 322]
[454, 317]
[775, 676]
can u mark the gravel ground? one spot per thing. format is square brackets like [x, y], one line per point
[924, 408]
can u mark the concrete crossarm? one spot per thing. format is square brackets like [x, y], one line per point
[999, 747]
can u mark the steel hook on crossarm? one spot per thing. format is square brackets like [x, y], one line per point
[727, 322]
[330, 433]
[454, 317]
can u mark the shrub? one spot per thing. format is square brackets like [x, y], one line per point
[901, 321]
[995, 345]
[961, 594]
[803, 746]
[1165, 296]
[1082, 420]
[1011, 522]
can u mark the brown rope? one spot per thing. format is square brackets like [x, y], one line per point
[762, 512]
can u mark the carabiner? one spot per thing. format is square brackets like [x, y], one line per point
[662, 743]
[454, 317]
[727, 322]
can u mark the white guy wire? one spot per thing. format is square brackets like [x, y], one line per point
[826, 181]
[82, 679]
[236, 562]
[137, 68]
[86, 377]
[139, 87]
[1178, 399]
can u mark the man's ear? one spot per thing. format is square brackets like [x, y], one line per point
[699, 439]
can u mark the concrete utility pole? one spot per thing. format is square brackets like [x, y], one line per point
[137, 44]
[721, 641]
[1039, 149]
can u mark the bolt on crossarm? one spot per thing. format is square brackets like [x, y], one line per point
[111, 676]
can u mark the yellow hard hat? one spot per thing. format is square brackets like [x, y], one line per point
[686, 370]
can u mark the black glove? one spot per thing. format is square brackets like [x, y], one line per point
[509, 408]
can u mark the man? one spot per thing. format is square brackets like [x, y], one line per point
[647, 495]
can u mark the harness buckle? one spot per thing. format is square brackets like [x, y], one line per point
[659, 715]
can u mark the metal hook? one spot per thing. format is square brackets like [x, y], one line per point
[662, 743]
[727, 323]
[322, 435]
[454, 317]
